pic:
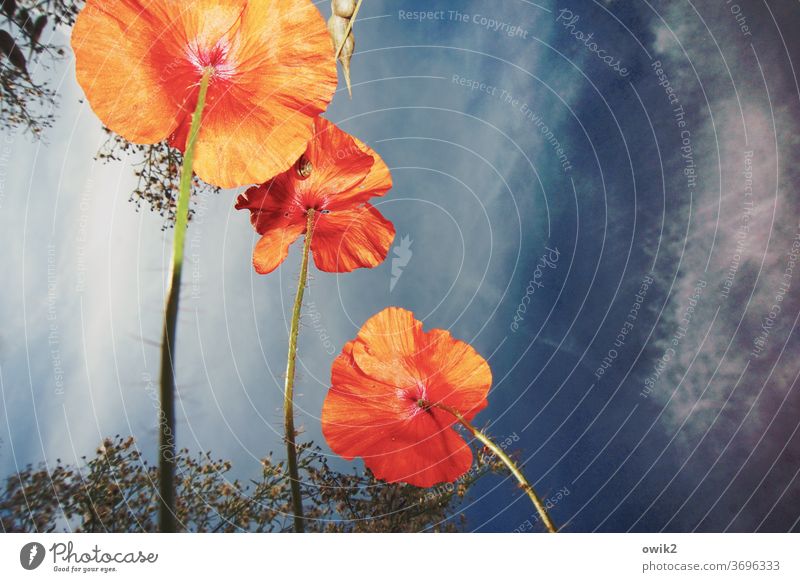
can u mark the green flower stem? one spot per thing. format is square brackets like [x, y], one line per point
[288, 394]
[166, 457]
[512, 466]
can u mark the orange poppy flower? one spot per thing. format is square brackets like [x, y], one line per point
[140, 63]
[382, 405]
[349, 233]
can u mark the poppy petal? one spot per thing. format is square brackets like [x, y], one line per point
[350, 380]
[393, 331]
[387, 346]
[339, 163]
[273, 248]
[377, 183]
[422, 451]
[120, 65]
[350, 239]
[259, 128]
[140, 63]
[457, 375]
[374, 410]
[422, 455]
[354, 234]
[271, 206]
[358, 407]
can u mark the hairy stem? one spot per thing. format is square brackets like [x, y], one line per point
[166, 456]
[512, 466]
[288, 394]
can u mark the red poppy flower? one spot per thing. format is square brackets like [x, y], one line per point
[348, 231]
[379, 382]
[140, 63]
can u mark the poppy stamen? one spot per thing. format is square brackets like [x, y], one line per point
[215, 59]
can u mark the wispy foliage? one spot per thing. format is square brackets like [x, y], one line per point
[157, 169]
[26, 48]
[117, 491]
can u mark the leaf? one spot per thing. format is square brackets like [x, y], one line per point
[24, 17]
[38, 28]
[10, 7]
[8, 46]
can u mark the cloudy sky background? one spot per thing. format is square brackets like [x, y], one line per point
[480, 191]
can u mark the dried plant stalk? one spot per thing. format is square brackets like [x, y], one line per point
[340, 26]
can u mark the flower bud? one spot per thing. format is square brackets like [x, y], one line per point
[343, 8]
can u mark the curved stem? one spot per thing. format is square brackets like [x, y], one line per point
[166, 457]
[288, 393]
[512, 466]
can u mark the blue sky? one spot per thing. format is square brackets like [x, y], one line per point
[684, 429]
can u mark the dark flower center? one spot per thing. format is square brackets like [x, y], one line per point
[416, 397]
